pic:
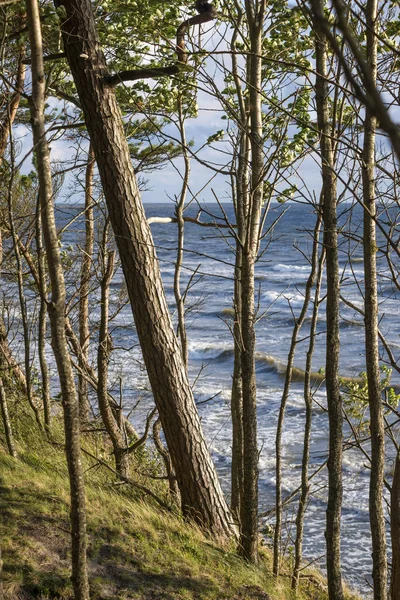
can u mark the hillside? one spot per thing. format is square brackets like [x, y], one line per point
[136, 549]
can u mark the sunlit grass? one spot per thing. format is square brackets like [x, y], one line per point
[135, 551]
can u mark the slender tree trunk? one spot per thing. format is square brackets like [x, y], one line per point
[84, 331]
[237, 395]
[57, 311]
[202, 498]
[42, 326]
[305, 486]
[240, 192]
[103, 355]
[1, 577]
[180, 207]
[21, 291]
[288, 379]
[6, 421]
[6, 358]
[3, 398]
[329, 184]
[377, 426]
[173, 486]
[7, 122]
[395, 531]
[91, 377]
[249, 514]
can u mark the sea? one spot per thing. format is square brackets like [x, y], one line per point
[281, 275]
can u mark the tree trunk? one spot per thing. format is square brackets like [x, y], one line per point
[84, 332]
[308, 400]
[249, 512]
[57, 311]
[42, 327]
[179, 210]
[335, 489]
[6, 421]
[288, 380]
[237, 395]
[377, 427]
[395, 531]
[240, 193]
[6, 123]
[103, 355]
[202, 498]
[1, 577]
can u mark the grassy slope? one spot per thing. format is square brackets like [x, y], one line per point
[136, 550]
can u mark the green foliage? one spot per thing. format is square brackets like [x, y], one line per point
[356, 397]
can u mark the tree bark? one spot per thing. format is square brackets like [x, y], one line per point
[241, 199]
[329, 185]
[395, 531]
[6, 421]
[84, 332]
[377, 426]
[249, 510]
[42, 327]
[202, 498]
[57, 311]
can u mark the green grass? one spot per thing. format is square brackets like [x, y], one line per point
[136, 551]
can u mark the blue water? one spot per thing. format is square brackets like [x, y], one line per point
[281, 275]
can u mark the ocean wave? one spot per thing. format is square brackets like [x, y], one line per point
[282, 268]
[206, 351]
[280, 367]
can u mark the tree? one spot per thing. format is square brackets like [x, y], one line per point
[376, 514]
[56, 309]
[329, 186]
[201, 494]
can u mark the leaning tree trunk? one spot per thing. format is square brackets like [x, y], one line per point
[201, 494]
[329, 213]
[56, 309]
[377, 427]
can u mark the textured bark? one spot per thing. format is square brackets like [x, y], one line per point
[237, 396]
[201, 494]
[84, 332]
[57, 311]
[377, 426]
[329, 184]
[240, 188]
[249, 510]
[42, 326]
[180, 207]
[395, 531]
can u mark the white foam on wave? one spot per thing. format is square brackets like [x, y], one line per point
[282, 268]
[207, 350]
